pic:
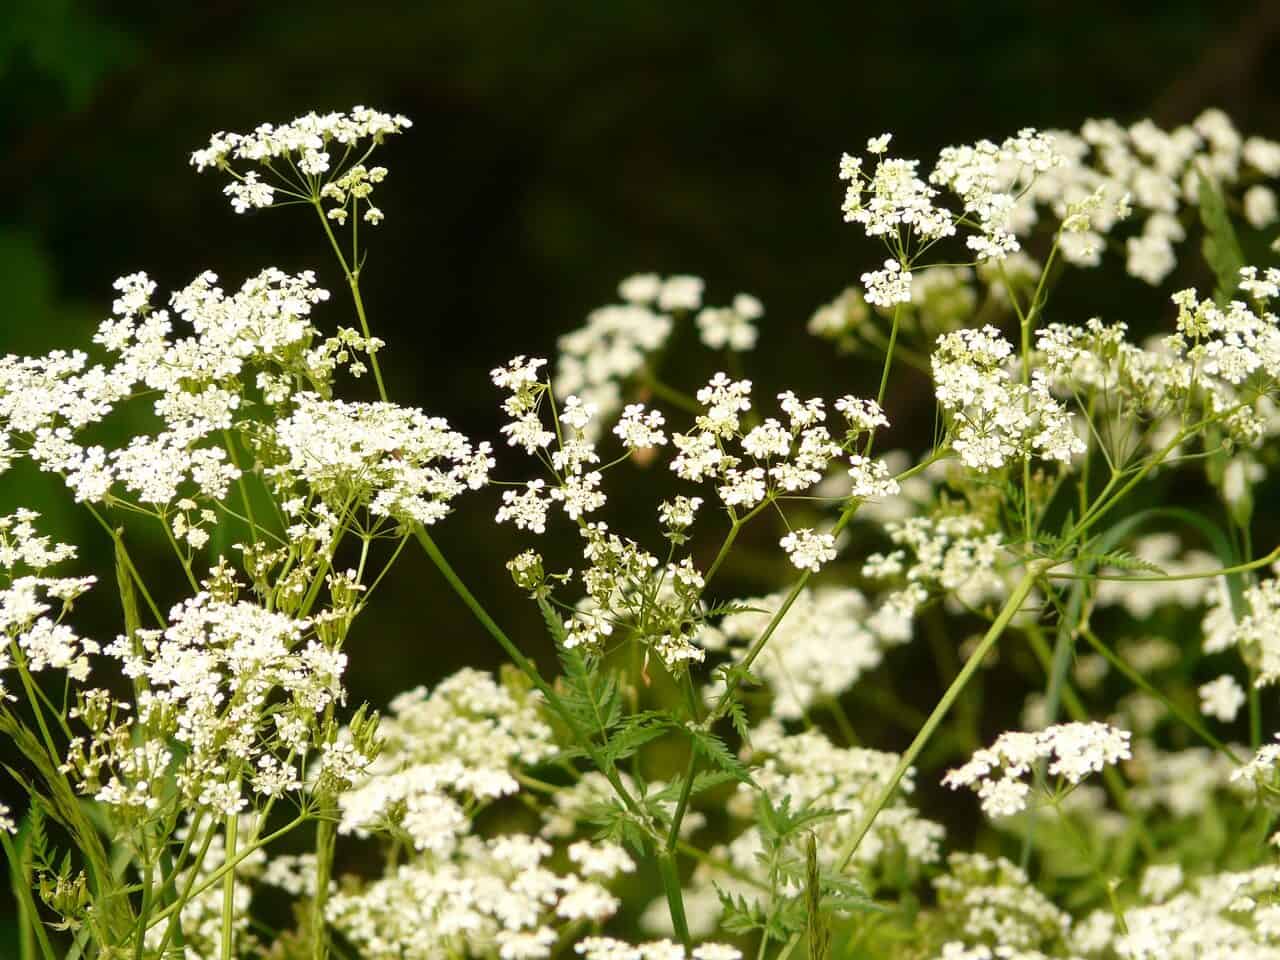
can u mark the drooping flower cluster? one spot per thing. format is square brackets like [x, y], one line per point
[1072, 751]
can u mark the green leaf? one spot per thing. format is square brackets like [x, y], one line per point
[633, 733]
[738, 717]
[1221, 248]
[1121, 560]
[714, 750]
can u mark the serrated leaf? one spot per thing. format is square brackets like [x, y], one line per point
[702, 782]
[633, 733]
[724, 609]
[738, 717]
[1122, 560]
[1221, 247]
[717, 753]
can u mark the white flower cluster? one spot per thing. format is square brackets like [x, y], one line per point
[607, 948]
[458, 743]
[597, 359]
[1088, 181]
[1228, 914]
[498, 894]
[732, 327]
[778, 459]
[1185, 782]
[951, 552]
[807, 770]
[1221, 698]
[300, 156]
[255, 343]
[397, 461]
[202, 711]
[990, 180]
[28, 595]
[993, 418]
[893, 199]
[1257, 632]
[992, 901]
[812, 771]
[817, 652]
[1072, 750]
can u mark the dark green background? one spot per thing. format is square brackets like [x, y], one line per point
[557, 147]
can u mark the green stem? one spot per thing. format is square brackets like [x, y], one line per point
[232, 836]
[525, 665]
[353, 282]
[118, 539]
[671, 884]
[326, 837]
[244, 489]
[1139, 681]
[1034, 570]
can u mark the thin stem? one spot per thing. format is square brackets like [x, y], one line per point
[326, 837]
[1034, 570]
[525, 665]
[1139, 681]
[244, 489]
[118, 539]
[352, 273]
[232, 836]
[671, 884]
[1269, 559]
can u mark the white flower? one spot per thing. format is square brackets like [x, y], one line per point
[808, 550]
[1073, 750]
[886, 287]
[879, 144]
[1221, 698]
[641, 288]
[527, 510]
[862, 416]
[638, 429]
[871, 478]
[1260, 207]
[680, 292]
[731, 328]
[577, 413]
